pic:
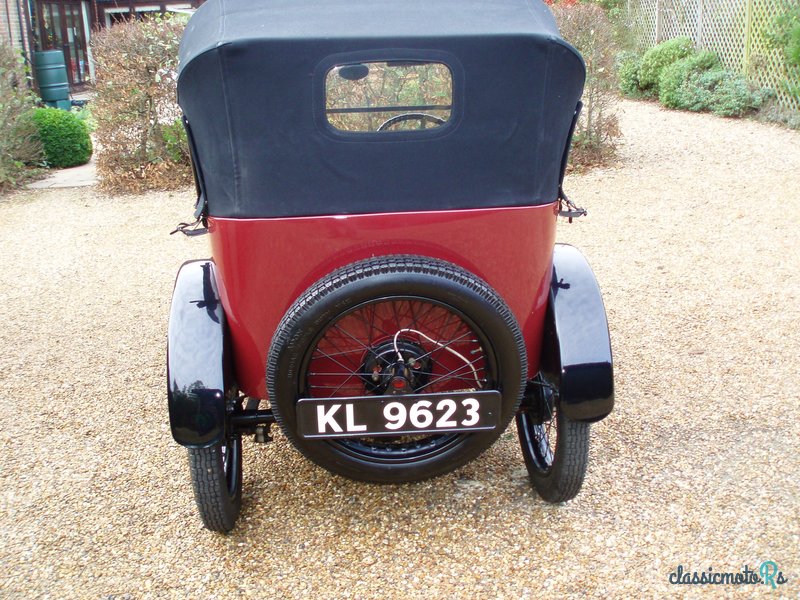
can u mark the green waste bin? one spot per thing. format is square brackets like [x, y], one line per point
[51, 73]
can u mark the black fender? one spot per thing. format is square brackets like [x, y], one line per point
[199, 373]
[576, 347]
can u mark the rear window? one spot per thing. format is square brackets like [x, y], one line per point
[388, 96]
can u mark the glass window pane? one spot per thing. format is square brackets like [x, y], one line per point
[53, 26]
[388, 96]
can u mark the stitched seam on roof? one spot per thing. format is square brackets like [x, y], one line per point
[222, 65]
[529, 8]
[543, 110]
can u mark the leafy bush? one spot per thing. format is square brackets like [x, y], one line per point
[64, 136]
[731, 94]
[793, 47]
[587, 27]
[784, 33]
[695, 81]
[696, 92]
[719, 91]
[628, 64]
[19, 143]
[85, 115]
[139, 144]
[176, 142]
[673, 91]
[658, 58]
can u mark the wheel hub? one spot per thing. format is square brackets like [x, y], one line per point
[384, 372]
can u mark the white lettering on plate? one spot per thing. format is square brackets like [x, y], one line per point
[325, 418]
[351, 425]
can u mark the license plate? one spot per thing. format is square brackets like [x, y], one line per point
[398, 415]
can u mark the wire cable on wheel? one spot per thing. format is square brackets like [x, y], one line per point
[431, 340]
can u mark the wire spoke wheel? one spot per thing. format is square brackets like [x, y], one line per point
[354, 355]
[217, 482]
[543, 437]
[216, 473]
[555, 448]
[345, 337]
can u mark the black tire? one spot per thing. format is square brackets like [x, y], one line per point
[556, 451]
[382, 285]
[217, 482]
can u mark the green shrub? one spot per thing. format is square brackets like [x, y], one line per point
[721, 92]
[64, 136]
[783, 33]
[696, 92]
[731, 95]
[656, 59]
[673, 91]
[176, 142]
[628, 64]
[19, 143]
[85, 114]
[793, 45]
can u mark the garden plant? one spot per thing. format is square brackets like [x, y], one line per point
[65, 137]
[587, 27]
[19, 145]
[142, 143]
[684, 78]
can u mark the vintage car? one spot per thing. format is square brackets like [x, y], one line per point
[380, 182]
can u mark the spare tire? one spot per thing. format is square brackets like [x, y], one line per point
[334, 340]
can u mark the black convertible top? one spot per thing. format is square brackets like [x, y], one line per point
[229, 21]
[252, 86]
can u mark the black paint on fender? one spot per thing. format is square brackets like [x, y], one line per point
[576, 348]
[198, 370]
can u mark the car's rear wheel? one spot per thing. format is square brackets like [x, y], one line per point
[341, 336]
[555, 448]
[217, 482]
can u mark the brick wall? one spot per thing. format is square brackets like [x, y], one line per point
[12, 16]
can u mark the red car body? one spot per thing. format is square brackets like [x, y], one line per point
[263, 265]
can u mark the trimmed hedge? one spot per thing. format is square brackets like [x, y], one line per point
[688, 80]
[142, 145]
[628, 65]
[729, 94]
[672, 85]
[658, 58]
[64, 136]
[699, 82]
[586, 26]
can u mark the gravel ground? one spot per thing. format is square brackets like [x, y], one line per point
[694, 239]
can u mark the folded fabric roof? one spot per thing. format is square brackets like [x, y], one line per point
[251, 83]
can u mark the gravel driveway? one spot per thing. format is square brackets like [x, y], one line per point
[694, 240]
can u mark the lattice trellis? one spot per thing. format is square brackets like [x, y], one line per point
[735, 29]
